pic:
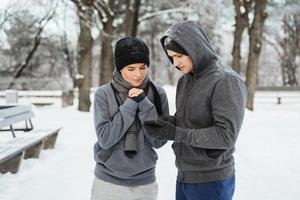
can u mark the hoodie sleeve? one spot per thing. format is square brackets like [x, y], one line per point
[228, 106]
[147, 111]
[110, 131]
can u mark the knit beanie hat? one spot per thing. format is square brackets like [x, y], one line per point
[130, 50]
[173, 46]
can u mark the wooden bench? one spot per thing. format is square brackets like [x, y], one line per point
[12, 114]
[28, 146]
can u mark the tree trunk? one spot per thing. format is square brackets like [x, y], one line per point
[106, 62]
[153, 55]
[71, 70]
[106, 59]
[131, 18]
[36, 42]
[290, 50]
[85, 44]
[241, 22]
[255, 43]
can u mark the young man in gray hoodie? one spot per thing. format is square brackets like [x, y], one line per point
[210, 105]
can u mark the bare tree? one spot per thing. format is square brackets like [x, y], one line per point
[284, 39]
[9, 12]
[4, 17]
[85, 44]
[153, 51]
[255, 44]
[242, 10]
[131, 17]
[69, 94]
[68, 57]
[36, 42]
[290, 45]
[106, 13]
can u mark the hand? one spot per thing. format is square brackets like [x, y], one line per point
[160, 129]
[169, 118]
[136, 94]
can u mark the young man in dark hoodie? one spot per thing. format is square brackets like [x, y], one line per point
[210, 105]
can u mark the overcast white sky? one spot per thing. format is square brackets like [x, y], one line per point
[3, 3]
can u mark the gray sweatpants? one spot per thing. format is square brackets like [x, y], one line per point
[102, 190]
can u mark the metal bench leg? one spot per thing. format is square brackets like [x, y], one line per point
[31, 126]
[12, 131]
[12, 165]
[26, 125]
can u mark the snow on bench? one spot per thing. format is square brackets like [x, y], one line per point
[28, 146]
[12, 114]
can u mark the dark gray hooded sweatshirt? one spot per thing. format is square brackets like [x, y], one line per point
[210, 105]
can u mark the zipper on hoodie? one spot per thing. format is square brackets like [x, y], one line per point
[190, 83]
[187, 94]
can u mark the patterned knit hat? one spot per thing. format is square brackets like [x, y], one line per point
[130, 50]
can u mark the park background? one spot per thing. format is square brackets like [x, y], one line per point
[55, 53]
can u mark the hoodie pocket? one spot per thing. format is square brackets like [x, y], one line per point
[194, 155]
[214, 153]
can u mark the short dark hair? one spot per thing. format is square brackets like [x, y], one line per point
[173, 46]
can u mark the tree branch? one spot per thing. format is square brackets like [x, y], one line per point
[36, 42]
[161, 12]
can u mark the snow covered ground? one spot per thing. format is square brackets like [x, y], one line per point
[267, 156]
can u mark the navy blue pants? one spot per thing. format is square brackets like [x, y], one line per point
[216, 190]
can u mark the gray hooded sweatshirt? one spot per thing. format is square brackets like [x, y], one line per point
[210, 105]
[111, 124]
